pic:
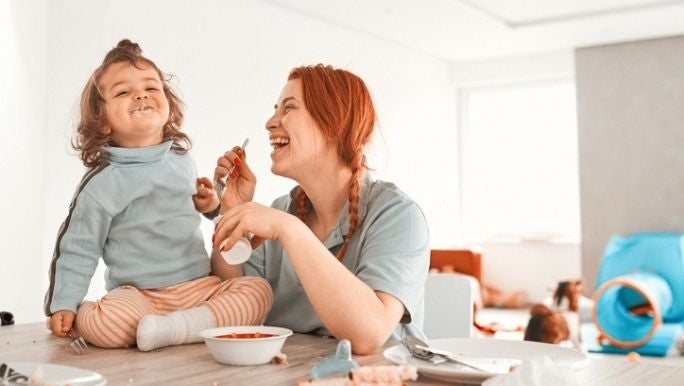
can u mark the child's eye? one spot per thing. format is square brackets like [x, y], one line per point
[120, 93]
[152, 89]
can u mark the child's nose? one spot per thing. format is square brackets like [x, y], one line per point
[140, 93]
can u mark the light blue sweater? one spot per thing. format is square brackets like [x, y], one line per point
[136, 212]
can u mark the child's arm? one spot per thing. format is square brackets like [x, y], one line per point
[206, 199]
[61, 322]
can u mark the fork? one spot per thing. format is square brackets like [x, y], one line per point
[422, 354]
[78, 345]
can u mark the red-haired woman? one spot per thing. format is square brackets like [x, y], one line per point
[346, 255]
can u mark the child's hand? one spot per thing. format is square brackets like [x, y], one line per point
[61, 322]
[205, 200]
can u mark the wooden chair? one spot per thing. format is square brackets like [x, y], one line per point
[466, 261]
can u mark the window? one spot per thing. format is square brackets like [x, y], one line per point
[519, 162]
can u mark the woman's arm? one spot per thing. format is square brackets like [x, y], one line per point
[348, 307]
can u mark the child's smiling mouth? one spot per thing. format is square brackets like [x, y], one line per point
[143, 109]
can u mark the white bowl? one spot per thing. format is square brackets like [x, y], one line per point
[245, 351]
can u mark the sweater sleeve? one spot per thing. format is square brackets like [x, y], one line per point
[79, 246]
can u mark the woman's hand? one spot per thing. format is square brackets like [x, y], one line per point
[61, 322]
[262, 222]
[240, 183]
[206, 199]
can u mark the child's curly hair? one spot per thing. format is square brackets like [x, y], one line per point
[89, 139]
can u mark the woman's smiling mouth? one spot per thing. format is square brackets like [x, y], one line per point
[279, 142]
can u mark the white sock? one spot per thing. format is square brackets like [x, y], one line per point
[179, 327]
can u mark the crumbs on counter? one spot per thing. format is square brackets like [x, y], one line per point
[280, 359]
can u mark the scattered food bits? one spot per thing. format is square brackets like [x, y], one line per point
[633, 357]
[280, 359]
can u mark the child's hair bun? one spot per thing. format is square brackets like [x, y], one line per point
[129, 46]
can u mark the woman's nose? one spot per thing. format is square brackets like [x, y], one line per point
[272, 123]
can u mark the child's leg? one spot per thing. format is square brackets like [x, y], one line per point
[112, 321]
[239, 301]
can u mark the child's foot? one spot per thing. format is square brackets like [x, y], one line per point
[153, 333]
[179, 327]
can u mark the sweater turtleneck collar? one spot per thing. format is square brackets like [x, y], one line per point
[137, 155]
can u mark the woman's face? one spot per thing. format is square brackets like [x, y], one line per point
[299, 147]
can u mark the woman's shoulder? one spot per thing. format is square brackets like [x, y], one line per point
[387, 193]
[385, 198]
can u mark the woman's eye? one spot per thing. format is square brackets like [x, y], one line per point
[288, 108]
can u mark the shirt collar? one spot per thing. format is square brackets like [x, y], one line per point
[132, 155]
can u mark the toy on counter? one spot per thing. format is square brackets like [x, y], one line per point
[341, 370]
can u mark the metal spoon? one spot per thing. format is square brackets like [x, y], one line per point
[422, 350]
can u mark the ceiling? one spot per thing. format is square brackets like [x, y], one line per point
[465, 30]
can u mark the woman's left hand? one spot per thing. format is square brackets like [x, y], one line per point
[261, 221]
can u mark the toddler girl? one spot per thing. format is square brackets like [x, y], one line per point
[136, 207]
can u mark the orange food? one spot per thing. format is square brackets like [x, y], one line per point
[633, 357]
[246, 335]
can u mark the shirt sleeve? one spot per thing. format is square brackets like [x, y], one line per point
[395, 254]
[79, 246]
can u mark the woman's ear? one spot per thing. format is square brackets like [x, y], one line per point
[105, 130]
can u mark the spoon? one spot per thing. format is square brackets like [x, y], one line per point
[422, 350]
[219, 184]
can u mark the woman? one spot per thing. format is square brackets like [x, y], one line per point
[346, 255]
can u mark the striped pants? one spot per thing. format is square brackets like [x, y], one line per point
[113, 320]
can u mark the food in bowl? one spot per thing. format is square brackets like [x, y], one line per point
[245, 345]
[246, 335]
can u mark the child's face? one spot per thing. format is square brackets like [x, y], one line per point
[135, 105]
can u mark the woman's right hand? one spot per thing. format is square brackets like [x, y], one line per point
[240, 184]
[263, 222]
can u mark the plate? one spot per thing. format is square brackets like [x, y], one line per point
[495, 354]
[52, 374]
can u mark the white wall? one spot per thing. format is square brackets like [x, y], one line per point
[230, 59]
[630, 99]
[23, 266]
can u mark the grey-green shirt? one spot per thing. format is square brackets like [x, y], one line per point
[389, 251]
